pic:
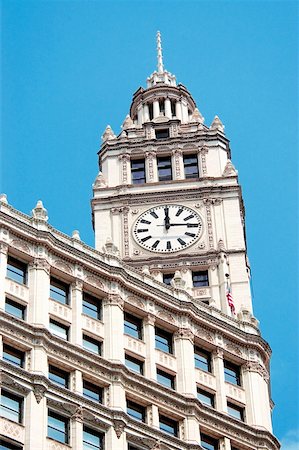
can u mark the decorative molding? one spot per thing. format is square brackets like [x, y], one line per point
[184, 333]
[20, 245]
[3, 248]
[42, 264]
[94, 281]
[126, 239]
[119, 426]
[63, 266]
[136, 302]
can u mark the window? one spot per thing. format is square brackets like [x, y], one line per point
[59, 330]
[162, 134]
[235, 411]
[165, 378]
[138, 171]
[92, 307]
[92, 345]
[92, 391]
[134, 364]
[133, 326]
[191, 166]
[232, 373]
[16, 270]
[11, 406]
[58, 427]
[167, 278]
[200, 278]
[13, 355]
[208, 443]
[92, 440]
[168, 425]
[164, 168]
[15, 309]
[7, 446]
[163, 340]
[206, 398]
[59, 291]
[136, 411]
[59, 376]
[202, 359]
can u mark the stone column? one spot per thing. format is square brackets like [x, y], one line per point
[185, 118]
[203, 171]
[149, 338]
[218, 369]
[113, 318]
[177, 164]
[168, 108]
[191, 430]
[39, 292]
[115, 437]
[76, 304]
[178, 110]
[125, 169]
[36, 417]
[153, 416]
[156, 109]
[3, 268]
[225, 444]
[77, 429]
[140, 114]
[223, 270]
[146, 116]
[77, 384]
[151, 167]
[184, 351]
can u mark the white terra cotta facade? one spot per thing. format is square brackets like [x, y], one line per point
[174, 366]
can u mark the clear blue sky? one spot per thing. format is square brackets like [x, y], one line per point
[70, 67]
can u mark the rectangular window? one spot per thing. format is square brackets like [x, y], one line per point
[59, 330]
[170, 426]
[167, 278]
[134, 364]
[59, 291]
[166, 379]
[163, 340]
[138, 171]
[235, 411]
[164, 168]
[191, 166]
[133, 326]
[92, 307]
[13, 356]
[206, 398]
[136, 411]
[93, 392]
[15, 309]
[202, 359]
[58, 427]
[11, 406]
[208, 443]
[92, 345]
[200, 278]
[7, 446]
[59, 376]
[232, 373]
[16, 270]
[162, 134]
[92, 440]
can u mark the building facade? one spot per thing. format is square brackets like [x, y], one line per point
[149, 340]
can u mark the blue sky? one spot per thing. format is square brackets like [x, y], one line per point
[70, 67]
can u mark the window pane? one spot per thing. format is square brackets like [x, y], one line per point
[91, 307]
[191, 166]
[202, 360]
[164, 168]
[15, 309]
[58, 329]
[135, 411]
[168, 425]
[57, 427]
[232, 373]
[91, 345]
[165, 378]
[162, 134]
[235, 411]
[208, 443]
[92, 440]
[58, 376]
[200, 278]
[59, 291]
[134, 364]
[163, 340]
[16, 270]
[133, 326]
[11, 406]
[8, 446]
[92, 392]
[205, 397]
[13, 356]
[138, 171]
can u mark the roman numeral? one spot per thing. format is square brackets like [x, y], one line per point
[145, 238]
[168, 245]
[154, 214]
[145, 221]
[189, 234]
[155, 245]
[142, 230]
[192, 225]
[181, 241]
[189, 217]
[179, 212]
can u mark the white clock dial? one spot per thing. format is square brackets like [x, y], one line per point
[167, 228]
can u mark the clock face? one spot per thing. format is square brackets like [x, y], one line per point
[167, 228]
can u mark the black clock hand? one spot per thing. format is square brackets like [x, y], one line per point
[166, 220]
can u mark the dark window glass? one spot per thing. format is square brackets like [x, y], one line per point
[59, 291]
[205, 397]
[163, 340]
[15, 309]
[138, 171]
[136, 411]
[162, 134]
[202, 359]
[133, 326]
[173, 107]
[168, 425]
[7, 446]
[13, 355]
[58, 427]
[59, 330]
[134, 364]
[59, 376]
[167, 278]
[164, 168]
[208, 443]
[165, 378]
[232, 373]
[16, 270]
[92, 391]
[92, 345]
[200, 278]
[162, 108]
[11, 406]
[235, 411]
[191, 166]
[151, 110]
[92, 440]
[92, 307]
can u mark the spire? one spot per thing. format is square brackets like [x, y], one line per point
[159, 53]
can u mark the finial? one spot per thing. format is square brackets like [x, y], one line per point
[39, 212]
[76, 235]
[159, 54]
[3, 199]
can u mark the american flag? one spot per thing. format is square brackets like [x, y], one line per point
[230, 299]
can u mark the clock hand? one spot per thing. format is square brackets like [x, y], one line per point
[166, 220]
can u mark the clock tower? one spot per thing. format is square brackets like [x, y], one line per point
[167, 199]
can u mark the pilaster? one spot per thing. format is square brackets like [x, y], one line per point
[3, 268]
[77, 429]
[178, 164]
[76, 302]
[149, 336]
[151, 167]
[218, 369]
[36, 416]
[39, 291]
[113, 317]
[184, 350]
